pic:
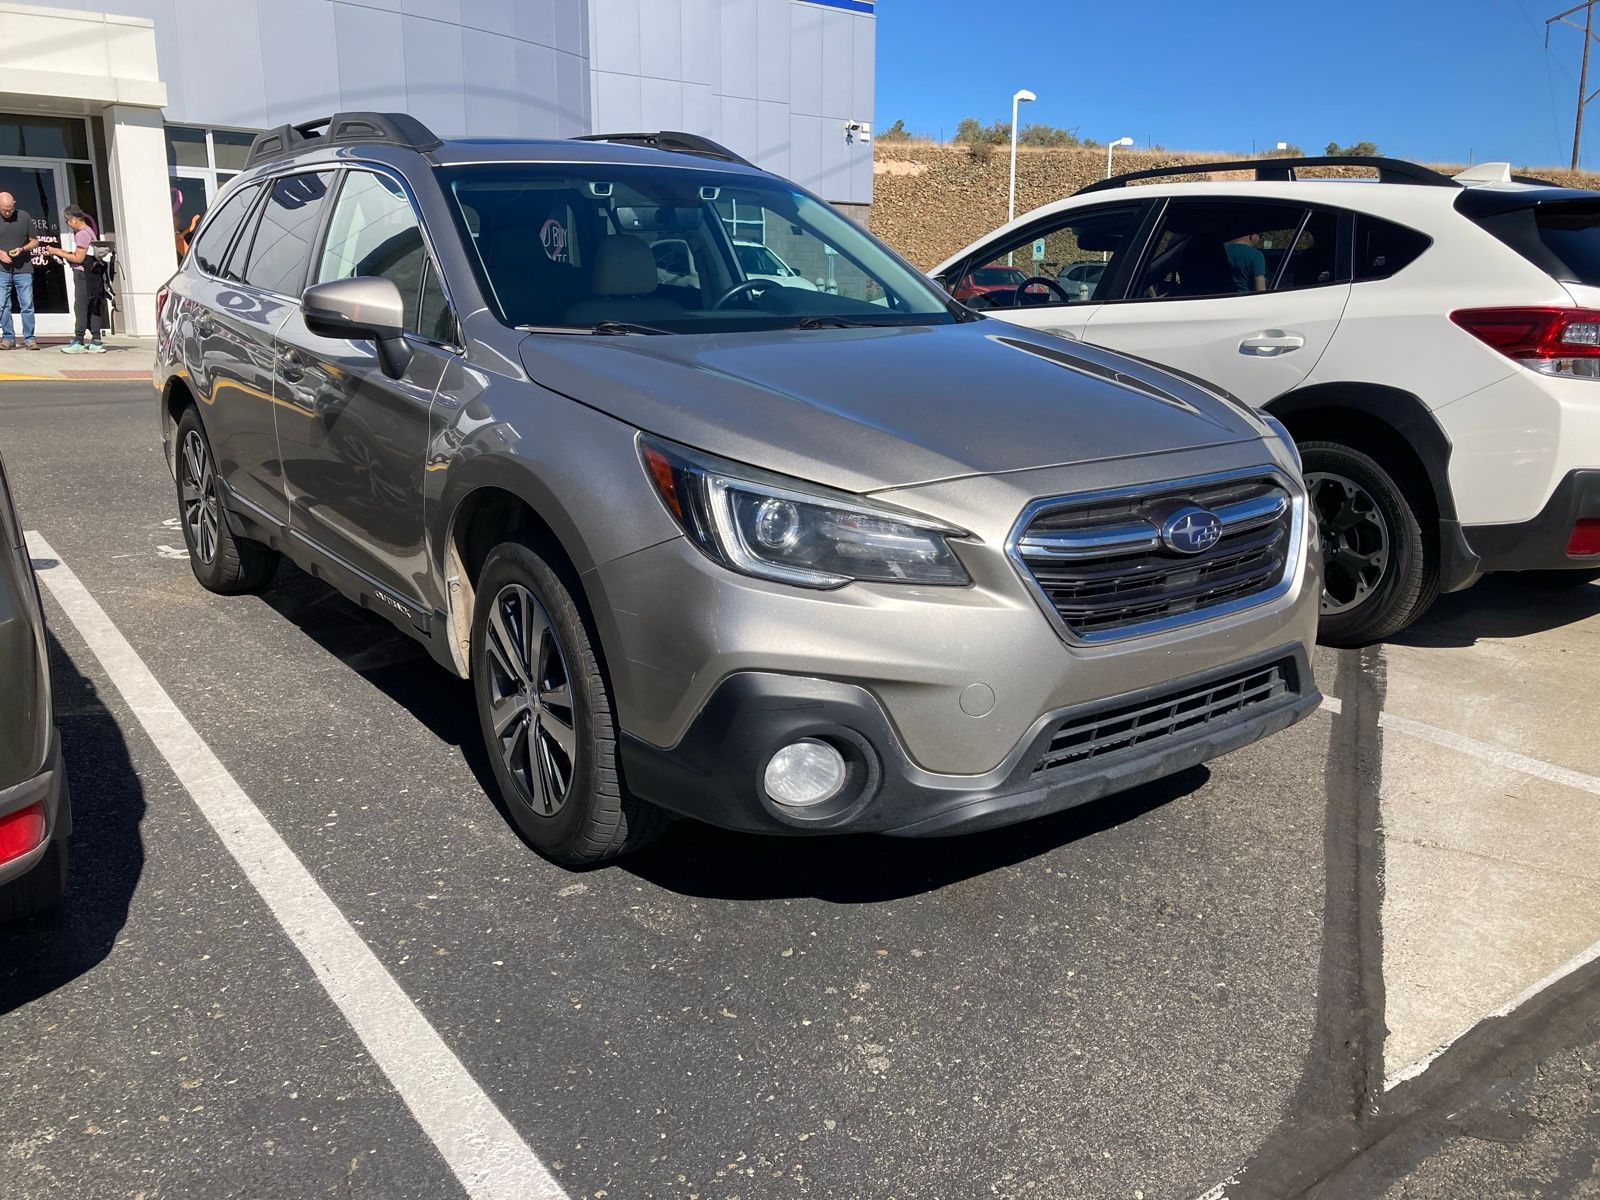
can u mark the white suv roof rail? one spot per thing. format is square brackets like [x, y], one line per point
[1390, 170]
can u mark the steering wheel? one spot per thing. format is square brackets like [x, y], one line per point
[739, 289]
[1048, 282]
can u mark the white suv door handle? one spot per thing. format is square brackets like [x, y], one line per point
[1270, 343]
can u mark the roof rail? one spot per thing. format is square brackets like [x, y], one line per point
[1390, 170]
[345, 128]
[673, 140]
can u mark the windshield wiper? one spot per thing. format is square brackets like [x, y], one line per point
[599, 328]
[841, 323]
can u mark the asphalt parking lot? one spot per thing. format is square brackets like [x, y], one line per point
[1267, 977]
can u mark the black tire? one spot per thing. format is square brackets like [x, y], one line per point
[1556, 580]
[1392, 587]
[221, 561]
[572, 808]
[40, 890]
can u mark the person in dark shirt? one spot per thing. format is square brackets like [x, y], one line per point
[17, 240]
[1247, 264]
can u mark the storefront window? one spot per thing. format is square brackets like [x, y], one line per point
[186, 147]
[231, 148]
[43, 137]
[200, 162]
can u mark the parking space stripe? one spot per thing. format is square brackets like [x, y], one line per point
[1477, 748]
[481, 1147]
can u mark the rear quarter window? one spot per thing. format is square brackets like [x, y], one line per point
[1571, 232]
[1384, 248]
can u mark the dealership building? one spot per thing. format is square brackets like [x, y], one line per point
[140, 110]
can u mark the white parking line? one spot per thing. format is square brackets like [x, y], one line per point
[486, 1154]
[1487, 751]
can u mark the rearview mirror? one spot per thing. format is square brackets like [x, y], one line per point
[365, 309]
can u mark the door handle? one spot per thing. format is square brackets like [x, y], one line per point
[1270, 343]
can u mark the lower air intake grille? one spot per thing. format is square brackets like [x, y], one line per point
[1102, 733]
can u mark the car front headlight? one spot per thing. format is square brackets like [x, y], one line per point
[771, 528]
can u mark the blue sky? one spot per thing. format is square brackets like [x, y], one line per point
[1427, 79]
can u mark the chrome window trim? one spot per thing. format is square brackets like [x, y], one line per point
[1293, 559]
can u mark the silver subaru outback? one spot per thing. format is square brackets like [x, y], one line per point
[790, 555]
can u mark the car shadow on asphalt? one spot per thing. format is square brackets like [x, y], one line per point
[390, 661]
[106, 852]
[692, 858]
[698, 860]
[1500, 606]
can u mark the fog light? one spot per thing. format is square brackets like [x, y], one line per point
[804, 773]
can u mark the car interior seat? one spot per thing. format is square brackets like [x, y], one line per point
[623, 284]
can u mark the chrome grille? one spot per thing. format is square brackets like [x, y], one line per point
[1101, 566]
[1101, 733]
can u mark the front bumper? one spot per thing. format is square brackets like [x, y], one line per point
[49, 786]
[715, 772]
[1541, 543]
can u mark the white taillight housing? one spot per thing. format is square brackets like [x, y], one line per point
[1553, 341]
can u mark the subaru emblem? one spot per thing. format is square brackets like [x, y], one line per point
[1192, 530]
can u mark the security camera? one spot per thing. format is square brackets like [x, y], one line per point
[857, 131]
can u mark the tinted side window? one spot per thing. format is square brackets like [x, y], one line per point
[1382, 247]
[1075, 254]
[288, 225]
[1219, 248]
[1313, 260]
[375, 232]
[211, 249]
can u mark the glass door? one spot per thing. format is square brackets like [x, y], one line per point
[40, 189]
[191, 196]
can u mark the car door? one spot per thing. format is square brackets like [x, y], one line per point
[353, 439]
[1243, 293]
[1045, 251]
[231, 324]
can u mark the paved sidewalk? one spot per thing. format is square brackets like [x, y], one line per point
[126, 358]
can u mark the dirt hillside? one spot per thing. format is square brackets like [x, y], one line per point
[929, 199]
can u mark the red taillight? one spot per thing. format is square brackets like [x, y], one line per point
[1553, 341]
[161, 303]
[1585, 538]
[21, 831]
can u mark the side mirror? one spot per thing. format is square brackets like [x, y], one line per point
[365, 309]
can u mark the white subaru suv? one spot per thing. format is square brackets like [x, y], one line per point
[1431, 343]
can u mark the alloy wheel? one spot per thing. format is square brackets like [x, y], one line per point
[1355, 540]
[198, 482]
[530, 699]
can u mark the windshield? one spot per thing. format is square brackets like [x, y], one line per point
[997, 276]
[575, 245]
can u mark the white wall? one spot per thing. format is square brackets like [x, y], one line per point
[515, 68]
[774, 80]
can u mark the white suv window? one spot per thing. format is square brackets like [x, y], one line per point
[1066, 260]
[1211, 248]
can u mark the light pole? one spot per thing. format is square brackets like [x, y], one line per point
[1110, 146]
[1021, 98]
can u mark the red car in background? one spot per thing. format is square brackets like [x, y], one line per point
[996, 277]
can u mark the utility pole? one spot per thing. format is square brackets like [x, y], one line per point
[1584, 94]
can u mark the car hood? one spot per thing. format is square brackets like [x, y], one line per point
[867, 409]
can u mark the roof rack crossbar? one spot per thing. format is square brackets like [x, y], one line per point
[673, 140]
[345, 128]
[1390, 170]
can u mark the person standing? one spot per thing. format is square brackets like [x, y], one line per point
[17, 241]
[88, 286]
